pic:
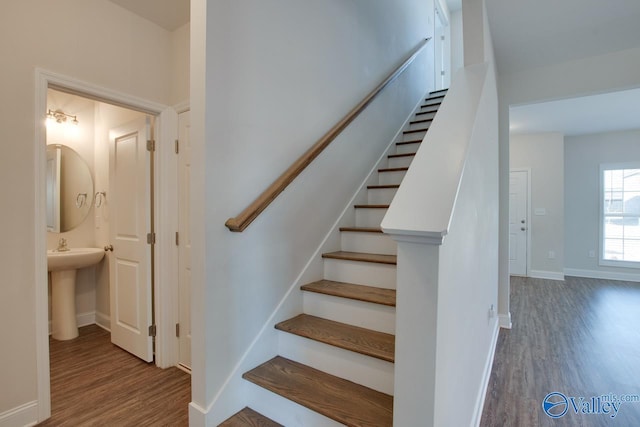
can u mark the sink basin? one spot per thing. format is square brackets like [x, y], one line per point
[63, 267]
[73, 259]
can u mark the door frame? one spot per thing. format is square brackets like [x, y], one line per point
[528, 172]
[165, 251]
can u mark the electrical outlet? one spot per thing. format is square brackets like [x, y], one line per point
[492, 312]
[552, 255]
[592, 254]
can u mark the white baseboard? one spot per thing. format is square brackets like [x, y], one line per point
[85, 319]
[23, 415]
[504, 320]
[82, 319]
[550, 275]
[607, 275]
[104, 321]
[477, 417]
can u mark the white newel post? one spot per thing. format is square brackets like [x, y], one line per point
[416, 327]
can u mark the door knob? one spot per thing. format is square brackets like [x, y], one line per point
[522, 228]
[108, 248]
[522, 221]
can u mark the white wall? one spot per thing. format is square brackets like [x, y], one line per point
[558, 81]
[543, 154]
[583, 156]
[276, 76]
[92, 40]
[457, 50]
[180, 40]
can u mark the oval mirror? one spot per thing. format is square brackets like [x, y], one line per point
[69, 189]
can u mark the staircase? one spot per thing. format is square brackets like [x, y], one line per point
[337, 357]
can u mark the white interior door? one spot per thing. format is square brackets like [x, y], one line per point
[184, 244]
[518, 222]
[130, 221]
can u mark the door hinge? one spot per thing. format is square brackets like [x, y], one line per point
[177, 239]
[152, 331]
[178, 330]
[151, 145]
[442, 73]
[441, 37]
[177, 146]
[151, 238]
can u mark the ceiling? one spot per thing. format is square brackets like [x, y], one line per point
[533, 34]
[169, 14]
[530, 34]
[606, 112]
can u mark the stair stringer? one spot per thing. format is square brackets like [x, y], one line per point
[236, 392]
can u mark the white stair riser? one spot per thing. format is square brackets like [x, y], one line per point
[364, 370]
[407, 148]
[400, 162]
[423, 116]
[377, 317]
[375, 243]
[421, 125]
[369, 217]
[391, 178]
[380, 196]
[283, 410]
[360, 273]
[413, 136]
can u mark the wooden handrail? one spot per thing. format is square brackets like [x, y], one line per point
[246, 217]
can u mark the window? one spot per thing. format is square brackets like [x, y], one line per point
[620, 237]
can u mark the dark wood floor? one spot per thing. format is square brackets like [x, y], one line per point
[95, 383]
[580, 337]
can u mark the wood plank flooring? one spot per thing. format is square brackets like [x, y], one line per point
[95, 383]
[580, 337]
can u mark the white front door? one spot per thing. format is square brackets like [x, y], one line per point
[518, 222]
[184, 244]
[129, 222]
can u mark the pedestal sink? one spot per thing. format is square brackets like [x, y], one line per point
[63, 267]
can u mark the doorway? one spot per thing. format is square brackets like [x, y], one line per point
[165, 271]
[442, 48]
[519, 202]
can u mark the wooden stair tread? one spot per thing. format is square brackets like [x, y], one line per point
[393, 169]
[438, 91]
[395, 156]
[353, 338]
[336, 398]
[433, 107]
[361, 229]
[415, 130]
[373, 187]
[371, 206]
[416, 141]
[434, 97]
[362, 256]
[249, 418]
[352, 291]
[414, 122]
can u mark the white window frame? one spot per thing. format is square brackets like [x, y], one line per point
[602, 261]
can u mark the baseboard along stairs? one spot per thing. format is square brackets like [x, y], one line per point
[337, 357]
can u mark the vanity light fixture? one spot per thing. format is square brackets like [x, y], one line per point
[61, 117]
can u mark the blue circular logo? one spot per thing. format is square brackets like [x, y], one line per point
[555, 404]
